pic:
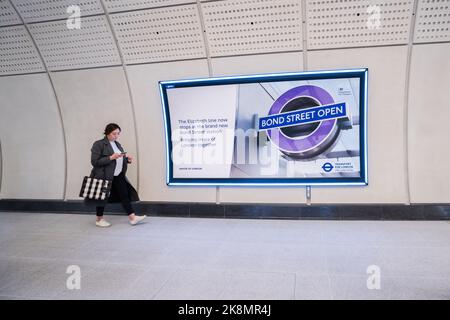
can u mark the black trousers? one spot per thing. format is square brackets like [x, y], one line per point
[119, 185]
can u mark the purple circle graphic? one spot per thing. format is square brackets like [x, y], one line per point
[312, 141]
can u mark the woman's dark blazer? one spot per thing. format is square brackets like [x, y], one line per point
[103, 168]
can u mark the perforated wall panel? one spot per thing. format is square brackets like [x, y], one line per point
[172, 33]
[253, 26]
[8, 15]
[125, 5]
[90, 46]
[432, 21]
[43, 10]
[17, 52]
[345, 23]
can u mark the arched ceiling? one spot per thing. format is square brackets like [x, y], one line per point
[34, 35]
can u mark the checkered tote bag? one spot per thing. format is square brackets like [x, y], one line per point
[96, 189]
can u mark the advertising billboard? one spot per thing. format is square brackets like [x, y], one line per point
[305, 128]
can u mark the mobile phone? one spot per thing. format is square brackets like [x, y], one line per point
[123, 152]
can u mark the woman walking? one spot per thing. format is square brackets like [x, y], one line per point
[110, 161]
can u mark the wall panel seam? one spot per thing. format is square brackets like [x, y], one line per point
[130, 95]
[208, 59]
[54, 94]
[406, 103]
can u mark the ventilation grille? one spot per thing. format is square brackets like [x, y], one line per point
[432, 21]
[125, 5]
[90, 46]
[252, 26]
[8, 15]
[172, 33]
[344, 23]
[44, 10]
[17, 52]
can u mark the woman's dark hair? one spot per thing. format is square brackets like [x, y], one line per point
[110, 127]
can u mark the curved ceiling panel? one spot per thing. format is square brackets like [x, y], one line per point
[17, 52]
[8, 15]
[433, 21]
[44, 10]
[172, 33]
[126, 5]
[32, 139]
[256, 26]
[428, 129]
[338, 24]
[90, 46]
[151, 31]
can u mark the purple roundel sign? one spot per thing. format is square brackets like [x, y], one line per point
[308, 140]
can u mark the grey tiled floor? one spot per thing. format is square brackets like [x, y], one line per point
[193, 258]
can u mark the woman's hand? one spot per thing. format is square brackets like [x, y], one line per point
[130, 158]
[115, 156]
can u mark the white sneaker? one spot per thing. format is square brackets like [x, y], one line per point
[102, 223]
[137, 219]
